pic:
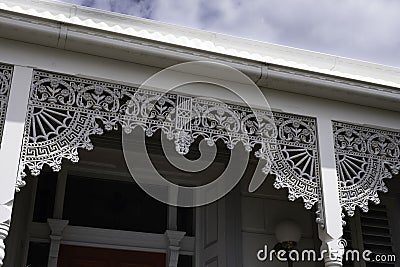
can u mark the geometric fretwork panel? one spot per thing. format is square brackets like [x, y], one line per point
[5, 86]
[64, 111]
[295, 158]
[364, 157]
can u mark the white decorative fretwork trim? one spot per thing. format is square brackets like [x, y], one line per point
[364, 157]
[64, 111]
[5, 86]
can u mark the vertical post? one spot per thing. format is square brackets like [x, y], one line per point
[332, 231]
[57, 227]
[172, 218]
[174, 238]
[10, 151]
[60, 193]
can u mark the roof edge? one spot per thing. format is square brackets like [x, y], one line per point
[206, 41]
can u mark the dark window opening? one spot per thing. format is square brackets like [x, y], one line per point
[45, 194]
[185, 261]
[185, 220]
[111, 204]
[38, 254]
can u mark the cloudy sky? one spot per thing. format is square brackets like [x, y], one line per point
[362, 29]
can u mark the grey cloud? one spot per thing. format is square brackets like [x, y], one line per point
[139, 8]
[365, 30]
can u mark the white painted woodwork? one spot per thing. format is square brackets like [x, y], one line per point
[13, 135]
[56, 227]
[331, 209]
[325, 87]
[18, 237]
[174, 239]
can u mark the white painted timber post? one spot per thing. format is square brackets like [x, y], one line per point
[174, 239]
[10, 151]
[57, 227]
[332, 231]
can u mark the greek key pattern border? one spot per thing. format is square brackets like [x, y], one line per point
[64, 111]
[365, 156]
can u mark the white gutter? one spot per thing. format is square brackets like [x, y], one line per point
[206, 41]
[90, 31]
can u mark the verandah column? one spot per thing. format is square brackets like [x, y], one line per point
[332, 230]
[10, 150]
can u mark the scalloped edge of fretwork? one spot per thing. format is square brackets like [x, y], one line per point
[363, 204]
[350, 205]
[390, 165]
[4, 93]
[53, 160]
[182, 141]
[294, 192]
[319, 213]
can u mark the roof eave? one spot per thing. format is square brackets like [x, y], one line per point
[318, 80]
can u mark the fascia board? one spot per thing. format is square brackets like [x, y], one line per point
[106, 43]
[207, 41]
